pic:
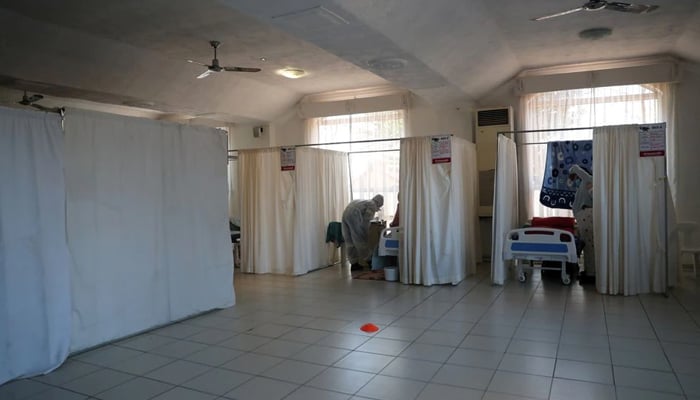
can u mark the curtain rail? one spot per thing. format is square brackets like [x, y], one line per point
[548, 130]
[327, 144]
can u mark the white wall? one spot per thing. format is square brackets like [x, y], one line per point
[241, 137]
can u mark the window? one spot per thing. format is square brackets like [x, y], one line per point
[374, 166]
[615, 105]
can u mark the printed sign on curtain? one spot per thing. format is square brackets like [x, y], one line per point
[288, 158]
[652, 140]
[441, 149]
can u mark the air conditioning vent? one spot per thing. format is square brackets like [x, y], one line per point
[496, 116]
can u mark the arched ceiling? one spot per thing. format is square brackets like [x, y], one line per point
[134, 53]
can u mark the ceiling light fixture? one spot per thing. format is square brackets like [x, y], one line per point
[594, 33]
[292, 73]
[263, 59]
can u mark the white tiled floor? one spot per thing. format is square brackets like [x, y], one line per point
[299, 338]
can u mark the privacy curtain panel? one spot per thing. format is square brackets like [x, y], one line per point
[438, 213]
[628, 214]
[35, 297]
[284, 214]
[146, 222]
[505, 201]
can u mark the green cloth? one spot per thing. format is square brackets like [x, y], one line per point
[334, 234]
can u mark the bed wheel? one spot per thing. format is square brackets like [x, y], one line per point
[522, 277]
[566, 280]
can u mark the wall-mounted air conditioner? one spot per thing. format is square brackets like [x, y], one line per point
[489, 122]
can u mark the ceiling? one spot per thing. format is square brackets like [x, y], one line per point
[132, 53]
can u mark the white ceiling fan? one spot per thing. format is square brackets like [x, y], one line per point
[597, 5]
[216, 67]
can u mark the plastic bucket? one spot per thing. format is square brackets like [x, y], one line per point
[391, 274]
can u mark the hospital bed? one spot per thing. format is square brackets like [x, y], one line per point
[540, 244]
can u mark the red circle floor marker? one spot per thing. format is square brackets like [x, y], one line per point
[369, 328]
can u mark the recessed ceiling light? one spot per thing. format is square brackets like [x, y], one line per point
[594, 33]
[292, 73]
[387, 63]
[263, 59]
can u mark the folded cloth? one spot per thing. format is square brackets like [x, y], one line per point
[334, 233]
[557, 190]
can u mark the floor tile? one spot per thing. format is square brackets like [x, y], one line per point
[628, 393]
[537, 335]
[142, 364]
[145, 342]
[457, 375]
[398, 333]
[476, 358]
[135, 389]
[690, 384]
[461, 327]
[281, 348]
[503, 396]
[652, 359]
[321, 355]
[592, 354]
[390, 388]
[305, 335]
[309, 393]
[485, 343]
[180, 393]
[21, 389]
[70, 370]
[582, 339]
[211, 336]
[108, 355]
[271, 330]
[53, 394]
[178, 331]
[178, 349]
[565, 389]
[434, 391]
[366, 362]
[341, 380]
[443, 338]
[520, 384]
[97, 382]
[646, 379]
[428, 352]
[214, 356]
[327, 324]
[294, 371]
[217, 381]
[493, 330]
[387, 347]
[245, 342]
[178, 372]
[583, 371]
[411, 369]
[530, 348]
[343, 340]
[252, 363]
[527, 364]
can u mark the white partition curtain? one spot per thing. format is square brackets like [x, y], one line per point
[323, 191]
[284, 214]
[35, 293]
[505, 203]
[146, 223]
[628, 214]
[438, 213]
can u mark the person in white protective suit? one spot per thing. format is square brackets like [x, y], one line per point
[355, 225]
[583, 212]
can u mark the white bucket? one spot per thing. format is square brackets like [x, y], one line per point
[391, 274]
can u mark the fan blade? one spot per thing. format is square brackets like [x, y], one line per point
[558, 14]
[630, 8]
[204, 74]
[242, 69]
[197, 62]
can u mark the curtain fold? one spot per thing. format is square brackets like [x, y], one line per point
[505, 200]
[147, 217]
[438, 213]
[284, 214]
[35, 296]
[628, 214]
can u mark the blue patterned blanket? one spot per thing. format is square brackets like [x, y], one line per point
[557, 190]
